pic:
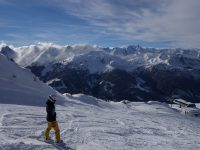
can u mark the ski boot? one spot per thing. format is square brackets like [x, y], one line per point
[60, 141]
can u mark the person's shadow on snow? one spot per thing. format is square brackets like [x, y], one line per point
[63, 146]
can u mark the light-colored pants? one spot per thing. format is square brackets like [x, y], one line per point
[55, 126]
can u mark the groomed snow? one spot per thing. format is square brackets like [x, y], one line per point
[90, 124]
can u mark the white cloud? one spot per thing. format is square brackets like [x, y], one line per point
[2, 44]
[151, 21]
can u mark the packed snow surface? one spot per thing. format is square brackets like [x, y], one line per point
[90, 124]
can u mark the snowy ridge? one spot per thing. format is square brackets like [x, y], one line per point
[20, 86]
[8, 52]
[104, 59]
[45, 53]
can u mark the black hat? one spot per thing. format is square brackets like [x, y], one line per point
[52, 98]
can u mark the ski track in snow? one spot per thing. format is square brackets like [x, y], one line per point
[91, 127]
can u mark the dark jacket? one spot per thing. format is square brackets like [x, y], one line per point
[51, 113]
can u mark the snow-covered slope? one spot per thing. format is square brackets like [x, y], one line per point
[19, 86]
[87, 123]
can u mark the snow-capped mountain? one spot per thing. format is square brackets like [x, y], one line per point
[132, 72]
[85, 55]
[8, 52]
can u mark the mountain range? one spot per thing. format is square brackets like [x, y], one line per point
[86, 122]
[131, 73]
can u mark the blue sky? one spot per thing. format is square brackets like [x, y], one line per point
[149, 23]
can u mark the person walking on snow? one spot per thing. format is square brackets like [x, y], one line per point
[51, 118]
